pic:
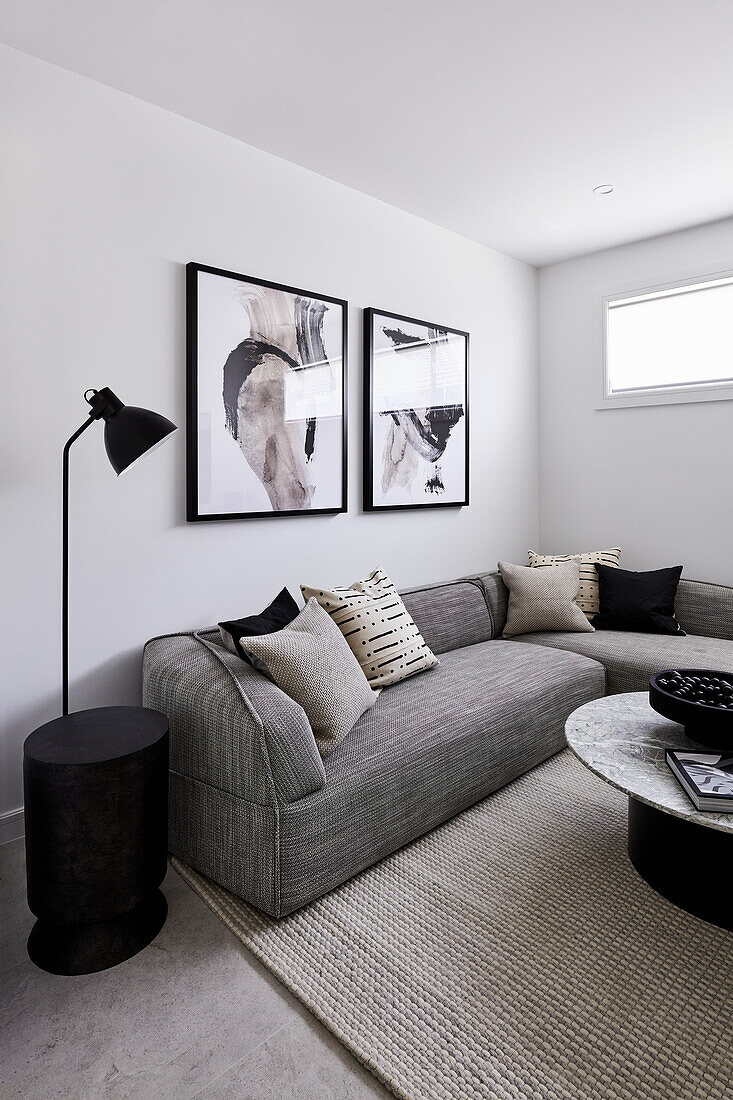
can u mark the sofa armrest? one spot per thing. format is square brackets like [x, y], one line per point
[705, 609]
[230, 727]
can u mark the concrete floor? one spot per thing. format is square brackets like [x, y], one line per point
[194, 1014]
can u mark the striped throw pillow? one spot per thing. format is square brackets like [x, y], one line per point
[588, 596]
[378, 627]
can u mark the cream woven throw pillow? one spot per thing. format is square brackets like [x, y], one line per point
[588, 595]
[543, 599]
[312, 663]
[378, 627]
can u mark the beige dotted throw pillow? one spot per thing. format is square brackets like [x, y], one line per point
[309, 661]
[378, 627]
[588, 594]
[542, 599]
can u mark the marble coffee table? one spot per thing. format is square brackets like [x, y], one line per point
[681, 852]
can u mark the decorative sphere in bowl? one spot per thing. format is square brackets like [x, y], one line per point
[700, 699]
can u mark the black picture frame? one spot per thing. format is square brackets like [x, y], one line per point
[368, 502]
[193, 512]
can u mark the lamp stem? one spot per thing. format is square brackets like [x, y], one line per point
[65, 567]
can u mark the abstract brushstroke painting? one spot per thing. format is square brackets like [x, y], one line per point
[266, 398]
[415, 413]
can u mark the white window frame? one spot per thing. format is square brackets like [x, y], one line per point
[661, 395]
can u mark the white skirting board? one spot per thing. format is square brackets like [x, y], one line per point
[12, 825]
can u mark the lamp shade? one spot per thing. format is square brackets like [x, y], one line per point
[129, 433]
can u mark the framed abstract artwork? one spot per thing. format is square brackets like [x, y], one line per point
[415, 413]
[266, 398]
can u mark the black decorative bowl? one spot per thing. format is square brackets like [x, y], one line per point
[699, 699]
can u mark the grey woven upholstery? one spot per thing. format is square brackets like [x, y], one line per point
[231, 727]
[497, 598]
[450, 615]
[232, 841]
[705, 609]
[429, 748]
[252, 805]
[239, 748]
[255, 808]
[630, 659]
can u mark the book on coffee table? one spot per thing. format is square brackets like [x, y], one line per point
[707, 777]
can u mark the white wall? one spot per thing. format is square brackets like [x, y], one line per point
[105, 199]
[654, 480]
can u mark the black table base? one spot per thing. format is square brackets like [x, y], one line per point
[685, 862]
[96, 786]
[87, 948]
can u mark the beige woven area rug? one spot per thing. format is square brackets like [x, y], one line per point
[513, 953]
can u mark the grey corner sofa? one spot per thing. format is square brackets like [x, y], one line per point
[255, 808]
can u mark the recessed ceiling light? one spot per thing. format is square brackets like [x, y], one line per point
[603, 189]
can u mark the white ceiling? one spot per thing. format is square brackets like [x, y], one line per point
[494, 118]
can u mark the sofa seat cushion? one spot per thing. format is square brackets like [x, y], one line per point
[430, 747]
[630, 658]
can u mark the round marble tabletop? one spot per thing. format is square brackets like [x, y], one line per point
[622, 740]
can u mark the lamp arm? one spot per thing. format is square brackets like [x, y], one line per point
[65, 564]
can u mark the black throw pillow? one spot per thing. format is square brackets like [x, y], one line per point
[276, 615]
[643, 602]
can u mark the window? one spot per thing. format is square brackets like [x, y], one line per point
[670, 344]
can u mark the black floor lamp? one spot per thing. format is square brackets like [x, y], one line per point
[96, 783]
[129, 433]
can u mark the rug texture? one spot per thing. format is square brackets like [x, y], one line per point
[513, 953]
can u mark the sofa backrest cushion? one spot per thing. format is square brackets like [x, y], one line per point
[700, 607]
[497, 598]
[450, 615]
[705, 609]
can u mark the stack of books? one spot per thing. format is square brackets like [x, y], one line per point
[707, 777]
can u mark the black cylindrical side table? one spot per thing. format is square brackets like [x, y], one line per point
[96, 825]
